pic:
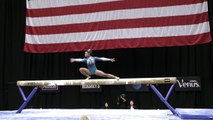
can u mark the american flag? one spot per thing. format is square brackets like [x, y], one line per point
[77, 25]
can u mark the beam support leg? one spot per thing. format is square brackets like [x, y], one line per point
[164, 100]
[26, 100]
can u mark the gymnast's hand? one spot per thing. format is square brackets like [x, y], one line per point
[72, 60]
[112, 60]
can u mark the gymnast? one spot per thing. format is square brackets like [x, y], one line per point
[92, 70]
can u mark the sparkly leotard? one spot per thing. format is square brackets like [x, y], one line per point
[90, 61]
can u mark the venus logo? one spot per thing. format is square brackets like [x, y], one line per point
[188, 84]
[191, 83]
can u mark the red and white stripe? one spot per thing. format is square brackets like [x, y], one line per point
[76, 25]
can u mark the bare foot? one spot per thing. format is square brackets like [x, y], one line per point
[88, 77]
[117, 78]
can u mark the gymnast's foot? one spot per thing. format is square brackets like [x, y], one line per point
[117, 78]
[88, 77]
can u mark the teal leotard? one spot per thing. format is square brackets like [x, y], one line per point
[90, 61]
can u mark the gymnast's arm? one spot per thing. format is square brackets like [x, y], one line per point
[105, 59]
[76, 60]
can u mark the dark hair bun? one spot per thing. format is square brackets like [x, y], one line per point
[90, 51]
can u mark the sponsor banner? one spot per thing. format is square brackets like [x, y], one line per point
[137, 88]
[50, 89]
[91, 88]
[192, 83]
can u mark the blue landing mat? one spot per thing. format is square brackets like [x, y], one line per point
[109, 114]
[200, 114]
[93, 114]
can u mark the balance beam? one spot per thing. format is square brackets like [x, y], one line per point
[78, 82]
[123, 81]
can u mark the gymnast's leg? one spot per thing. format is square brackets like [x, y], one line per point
[103, 74]
[85, 72]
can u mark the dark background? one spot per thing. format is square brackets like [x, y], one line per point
[144, 62]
